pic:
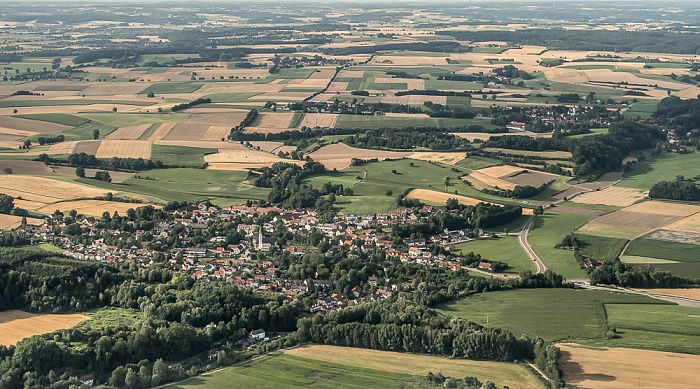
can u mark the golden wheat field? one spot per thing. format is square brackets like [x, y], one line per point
[124, 149]
[322, 120]
[128, 133]
[89, 207]
[8, 222]
[18, 325]
[615, 196]
[44, 190]
[441, 198]
[623, 368]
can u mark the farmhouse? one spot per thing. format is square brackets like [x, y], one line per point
[257, 334]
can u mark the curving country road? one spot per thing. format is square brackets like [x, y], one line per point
[522, 239]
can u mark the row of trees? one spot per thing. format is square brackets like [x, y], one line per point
[675, 190]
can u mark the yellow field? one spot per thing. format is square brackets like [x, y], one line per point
[273, 120]
[489, 180]
[448, 158]
[217, 133]
[512, 375]
[322, 120]
[89, 207]
[664, 208]
[44, 190]
[9, 222]
[688, 224]
[622, 368]
[412, 83]
[693, 293]
[124, 149]
[441, 198]
[128, 133]
[63, 147]
[161, 131]
[339, 155]
[616, 196]
[413, 100]
[18, 325]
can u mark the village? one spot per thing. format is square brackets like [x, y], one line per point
[251, 263]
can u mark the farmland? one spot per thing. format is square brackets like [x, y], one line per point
[502, 249]
[554, 314]
[621, 368]
[18, 325]
[549, 230]
[573, 118]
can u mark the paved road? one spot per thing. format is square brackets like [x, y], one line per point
[523, 239]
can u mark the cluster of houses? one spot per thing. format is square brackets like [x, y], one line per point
[241, 263]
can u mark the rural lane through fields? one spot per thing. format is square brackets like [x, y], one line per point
[522, 239]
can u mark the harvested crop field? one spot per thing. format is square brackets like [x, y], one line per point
[689, 224]
[638, 219]
[161, 131]
[323, 120]
[339, 155]
[29, 125]
[62, 148]
[18, 325]
[90, 207]
[512, 375]
[441, 198]
[482, 181]
[664, 208]
[128, 133]
[693, 293]
[124, 149]
[231, 118]
[614, 195]
[674, 236]
[88, 147]
[273, 147]
[8, 222]
[241, 156]
[187, 131]
[44, 190]
[622, 368]
[273, 120]
[448, 158]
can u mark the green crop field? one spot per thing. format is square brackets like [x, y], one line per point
[643, 108]
[288, 371]
[549, 230]
[290, 74]
[553, 314]
[675, 251]
[655, 327]
[505, 249]
[172, 87]
[662, 168]
[134, 119]
[366, 121]
[58, 118]
[379, 179]
[685, 270]
[187, 184]
[601, 248]
[180, 155]
[231, 97]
